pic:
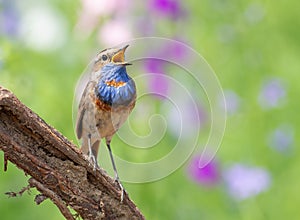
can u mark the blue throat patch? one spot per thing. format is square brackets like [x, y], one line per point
[115, 87]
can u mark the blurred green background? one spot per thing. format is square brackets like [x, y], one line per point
[253, 46]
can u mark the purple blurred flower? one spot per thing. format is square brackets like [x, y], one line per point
[172, 51]
[170, 8]
[159, 85]
[282, 139]
[232, 101]
[154, 65]
[9, 20]
[243, 181]
[175, 51]
[207, 176]
[272, 93]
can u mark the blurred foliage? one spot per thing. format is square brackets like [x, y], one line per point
[246, 43]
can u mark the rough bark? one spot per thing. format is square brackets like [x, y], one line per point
[57, 168]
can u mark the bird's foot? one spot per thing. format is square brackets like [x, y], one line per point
[93, 161]
[117, 180]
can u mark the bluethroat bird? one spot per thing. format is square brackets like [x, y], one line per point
[107, 100]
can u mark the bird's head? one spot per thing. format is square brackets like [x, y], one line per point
[112, 56]
[114, 85]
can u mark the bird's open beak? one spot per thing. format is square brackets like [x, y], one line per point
[119, 57]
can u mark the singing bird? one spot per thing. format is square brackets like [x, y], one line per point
[106, 102]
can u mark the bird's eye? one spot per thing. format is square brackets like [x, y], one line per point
[104, 57]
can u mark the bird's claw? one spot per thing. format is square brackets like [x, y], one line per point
[121, 188]
[93, 161]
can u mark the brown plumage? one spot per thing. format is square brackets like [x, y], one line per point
[107, 100]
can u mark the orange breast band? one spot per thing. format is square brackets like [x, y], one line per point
[115, 84]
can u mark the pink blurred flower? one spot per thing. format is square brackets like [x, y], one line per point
[176, 51]
[154, 65]
[114, 32]
[158, 85]
[92, 10]
[169, 8]
[98, 7]
[207, 176]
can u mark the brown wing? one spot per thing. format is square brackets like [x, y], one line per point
[82, 108]
[79, 123]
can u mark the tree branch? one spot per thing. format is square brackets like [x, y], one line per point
[57, 168]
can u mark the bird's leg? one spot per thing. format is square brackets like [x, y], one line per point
[113, 163]
[117, 179]
[91, 155]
